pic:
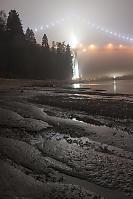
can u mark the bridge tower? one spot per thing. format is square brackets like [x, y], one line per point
[75, 65]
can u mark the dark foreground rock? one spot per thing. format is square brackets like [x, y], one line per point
[15, 184]
[47, 152]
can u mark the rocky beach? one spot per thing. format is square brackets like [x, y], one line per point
[57, 141]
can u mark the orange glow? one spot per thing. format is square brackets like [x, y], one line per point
[94, 84]
[121, 46]
[92, 46]
[110, 45]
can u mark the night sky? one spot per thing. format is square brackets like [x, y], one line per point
[114, 14]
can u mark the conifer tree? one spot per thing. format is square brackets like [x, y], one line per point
[14, 25]
[45, 41]
[29, 36]
[3, 20]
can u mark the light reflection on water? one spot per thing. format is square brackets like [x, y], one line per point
[76, 85]
[115, 86]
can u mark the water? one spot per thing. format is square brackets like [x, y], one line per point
[116, 86]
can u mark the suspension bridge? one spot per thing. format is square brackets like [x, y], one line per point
[122, 38]
[116, 34]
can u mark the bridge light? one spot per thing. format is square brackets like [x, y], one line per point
[74, 41]
[121, 46]
[110, 46]
[92, 46]
[84, 50]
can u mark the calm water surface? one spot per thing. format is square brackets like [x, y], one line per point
[116, 86]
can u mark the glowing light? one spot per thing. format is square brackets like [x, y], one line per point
[76, 86]
[92, 25]
[114, 87]
[110, 45]
[73, 41]
[92, 46]
[84, 50]
[75, 66]
[121, 46]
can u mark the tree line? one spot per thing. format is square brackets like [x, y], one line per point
[22, 57]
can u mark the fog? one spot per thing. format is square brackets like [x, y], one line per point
[113, 15]
[104, 63]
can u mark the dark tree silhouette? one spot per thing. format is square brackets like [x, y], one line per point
[45, 41]
[53, 46]
[3, 20]
[29, 36]
[14, 25]
[3, 44]
[68, 56]
[22, 57]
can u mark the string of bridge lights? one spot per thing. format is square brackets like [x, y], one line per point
[92, 25]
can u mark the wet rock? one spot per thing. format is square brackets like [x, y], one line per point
[12, 119]
[19, 185]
